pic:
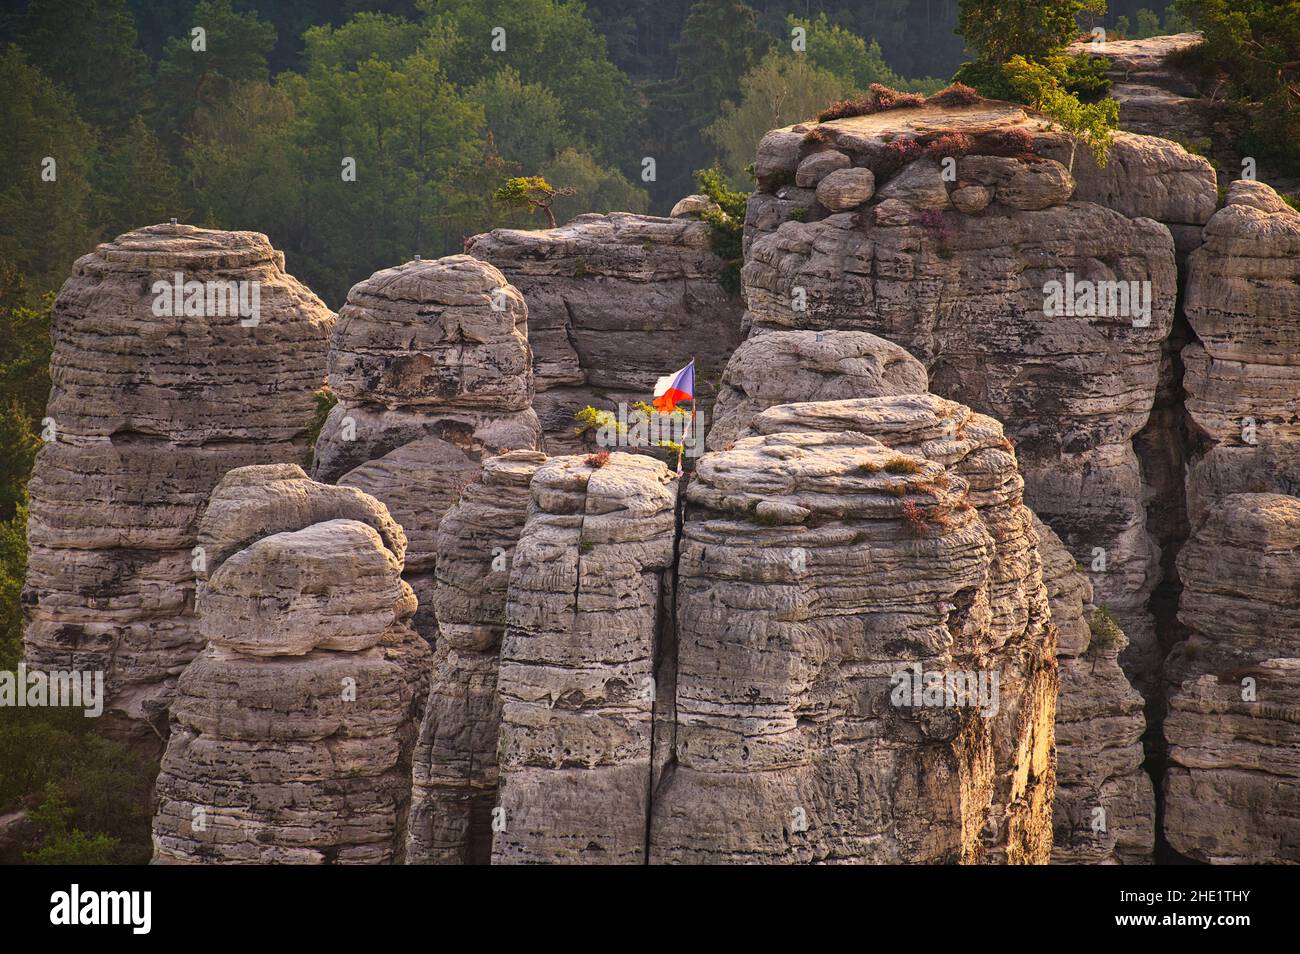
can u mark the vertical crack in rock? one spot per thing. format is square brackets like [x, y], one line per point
[179, 353]
[1104, 812]
[577, 660]
[822, 559]
[292, 732]
[957, 269]
[455, 762]
[432, 367]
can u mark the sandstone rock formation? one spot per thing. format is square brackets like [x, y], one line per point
[1233, 784]
[588, 590]
[1156, 97]
[844, 545]
[615, 301]
[1104, 811]
[455, 763]
[1243, 371]
[977, 288]
[1232, 730]
[292, 732]
[179, 353]
[784, 366]
[432, 367]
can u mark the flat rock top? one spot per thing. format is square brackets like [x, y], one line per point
[983, 117]
[185, 246]
[1138, 56]
[454, 280]
[593, 230]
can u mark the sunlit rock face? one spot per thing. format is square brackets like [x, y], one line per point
[431, 364]
[455, 763]
[589, 587]
[784, 366]
[615, 301]
[292, 732]
[980, 251]
[1233, 685]
[179, 353]
[1104, 811]
[833, 551]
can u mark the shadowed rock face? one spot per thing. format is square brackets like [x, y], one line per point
[292, 733]
[964, 283]
[843, 544]
[157, 393]
[1233, 785]
[1104, 812]
[455, 763]
[615, 301]
[577, 661]
[433, 370]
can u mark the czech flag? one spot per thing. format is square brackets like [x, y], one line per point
[673, 388]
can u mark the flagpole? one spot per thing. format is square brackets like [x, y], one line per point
[695, 387]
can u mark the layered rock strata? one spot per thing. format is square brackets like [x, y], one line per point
[1035, 292]
[179, 353]
[455, 762]
[614, 302]
[431, 364]
[1230, 789]
[784, 366]
[292, 732]
[848, 552]
[589, 584]
[1104, 812]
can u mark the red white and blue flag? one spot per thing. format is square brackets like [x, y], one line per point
[671, 389]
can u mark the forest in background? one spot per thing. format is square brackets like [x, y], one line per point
[253, 132]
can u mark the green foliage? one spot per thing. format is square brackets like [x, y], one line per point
[102, 786]
[1092, 124]
[584, 186]
[781, 90]
[89, 48]
[1107, 636]
[720, 42]
[323, 400]
[1251, 55]
[1149, 25]
[61, 844]
[996, 30]
[532, 193]
[192, 82]
[594, 419]
[44, 225]
[526, 120]
[728, 223]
